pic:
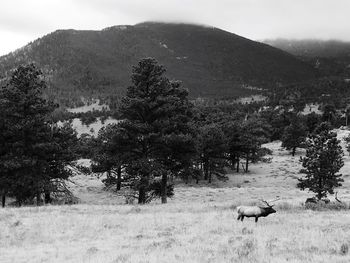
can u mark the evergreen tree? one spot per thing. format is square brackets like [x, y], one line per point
[156, 114]
[323, 160]
[110, 154]
[254, 132]
[235, 144]
[59, 155]
[33, 151]
[3, 154]
[347, 142]
[278, 119]
[294, 135]
[212, 147]
[312, 121]
[329, 113]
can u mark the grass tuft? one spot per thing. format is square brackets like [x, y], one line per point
[344, 249]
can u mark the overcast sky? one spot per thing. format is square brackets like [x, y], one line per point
[22, 21]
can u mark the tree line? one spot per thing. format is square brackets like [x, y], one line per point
[162, 137]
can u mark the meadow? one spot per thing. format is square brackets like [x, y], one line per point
[171, 233]
[197, 225]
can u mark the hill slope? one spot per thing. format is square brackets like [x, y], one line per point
[332, 57]
[209, 61]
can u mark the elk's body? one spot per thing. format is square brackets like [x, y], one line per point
[254, 211]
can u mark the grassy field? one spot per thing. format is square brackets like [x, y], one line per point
[171, 233]
[198, 225]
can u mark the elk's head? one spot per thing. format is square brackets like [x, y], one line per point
[268, 209]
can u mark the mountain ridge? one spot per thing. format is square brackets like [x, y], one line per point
[331, 57]
[209, 61]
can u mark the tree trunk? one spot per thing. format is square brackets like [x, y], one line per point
[247, 163]
[142, 195]
[48, 199]
[237, 164]
[38, 199]
[119, 178]
[187, 178]
[233, 161]
[346, 119]
[206, 169]
[164, 187]
[209, 178]
[319, 192]
[3, 199]
[293, 151]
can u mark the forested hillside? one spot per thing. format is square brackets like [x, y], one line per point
[332, 57]
[210, 62]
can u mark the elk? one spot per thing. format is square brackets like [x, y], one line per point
[255, 211]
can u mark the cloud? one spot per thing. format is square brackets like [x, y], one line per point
[255, 19]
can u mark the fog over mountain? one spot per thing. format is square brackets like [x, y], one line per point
[312, 47]
[21, 21]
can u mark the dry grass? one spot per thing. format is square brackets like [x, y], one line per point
[171, 233]
[198, 225]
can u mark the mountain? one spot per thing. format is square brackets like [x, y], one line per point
[312, 47]
[210, 62]
[332, 57]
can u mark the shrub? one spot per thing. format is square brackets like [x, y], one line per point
[321, 206]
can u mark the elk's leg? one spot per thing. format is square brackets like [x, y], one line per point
[242, 217]
[256, 219]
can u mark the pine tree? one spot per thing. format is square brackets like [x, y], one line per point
[110, 154]
[156, 113]
[3, 155]
[235, 144]
[59, 155]
[294, 135]
[33, 151]
[254, 132]
[323, 160]
[312, 121]
[212, 147]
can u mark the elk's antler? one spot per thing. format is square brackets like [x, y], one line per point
[264, 201]
[267, 203]
[274, 200]
[336, 197]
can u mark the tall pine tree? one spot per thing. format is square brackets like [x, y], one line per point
[294, 134]
[323, 160]
[156, 115]
[33, 151]
[254, 132]
[212, 147]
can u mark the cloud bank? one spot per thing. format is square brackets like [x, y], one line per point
[22, 21]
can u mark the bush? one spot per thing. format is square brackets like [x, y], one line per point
[321, 206]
